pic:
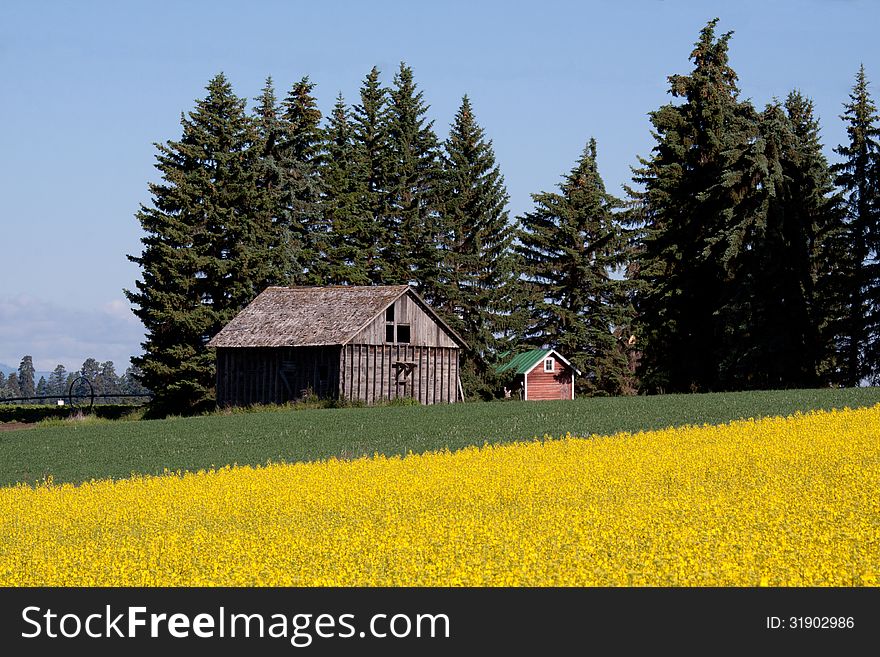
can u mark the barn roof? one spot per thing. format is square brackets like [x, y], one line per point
[312, 316]
[525, 362]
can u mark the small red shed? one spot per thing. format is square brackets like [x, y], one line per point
[541, 374]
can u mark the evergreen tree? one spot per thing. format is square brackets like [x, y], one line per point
[42, 387]
[816, 215]
[107, 382]
[282, 242]
[12, 387]
[570, 244]
[411, 223]
[4, 392]
[372, 171]
[298, 153]
[770, 307]
[814, 230]
[858, 175]
[477, 286]
[57, 380]
[738, 273]
[26, 377]
[196, 272]
[71, 377]
[633, 226]
[90, 369]
[130, 383]
[691, 235]
[351, 247]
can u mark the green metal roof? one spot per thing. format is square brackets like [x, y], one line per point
[522, 363]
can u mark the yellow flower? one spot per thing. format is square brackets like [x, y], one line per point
[773, 502]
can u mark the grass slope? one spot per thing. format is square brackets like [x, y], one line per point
[84, 451]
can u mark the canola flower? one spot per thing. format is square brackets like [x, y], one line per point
[779, 501]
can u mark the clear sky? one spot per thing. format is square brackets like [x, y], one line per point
[88, 87]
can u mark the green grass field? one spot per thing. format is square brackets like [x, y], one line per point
[81, 451]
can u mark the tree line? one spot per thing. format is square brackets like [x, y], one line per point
[102, 376]
[739, 257]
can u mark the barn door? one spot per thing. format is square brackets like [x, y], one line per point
[405, 373]
[405, 378]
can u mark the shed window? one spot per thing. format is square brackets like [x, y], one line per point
[403, 332]
[548, 364]
[389, 333]
[389, 313]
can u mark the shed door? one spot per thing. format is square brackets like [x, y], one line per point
[565, 387]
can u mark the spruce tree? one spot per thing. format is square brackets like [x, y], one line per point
[779, 216]
[815, 220]
[4, 392]
[12, 387]
[739, 269]
[411, 224]
[477, 286]
[42, 387]
[858, 176]
[196, 272]
[299, 156]
[90, 369]
[130, 383]
[372, 171]
[281, 254]
[107, 382]
[351, 245]
[57, 379]
[570, 245]
[68, 383]
[26, 377]
[690, 235]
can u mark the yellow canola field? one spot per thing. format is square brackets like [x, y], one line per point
[780, 502]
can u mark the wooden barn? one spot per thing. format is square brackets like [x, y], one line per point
[343, 342]
[540, 374]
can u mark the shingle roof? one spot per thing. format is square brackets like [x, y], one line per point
[306, 316]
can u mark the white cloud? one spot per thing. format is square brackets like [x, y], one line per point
[120, 309]
[54, 334]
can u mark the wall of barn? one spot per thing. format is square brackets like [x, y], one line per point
[262, 375]
[369, 373]
[373, 373]
[549, 385]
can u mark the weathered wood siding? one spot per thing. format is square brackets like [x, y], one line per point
[365, 372]
[373, 373]
[369, 367]
[549, 385]
[424, 331]
[263, 375]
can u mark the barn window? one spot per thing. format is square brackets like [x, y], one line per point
[389, 323]
[403, 332]
[548, 364]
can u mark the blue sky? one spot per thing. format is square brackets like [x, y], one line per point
[89, 86]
